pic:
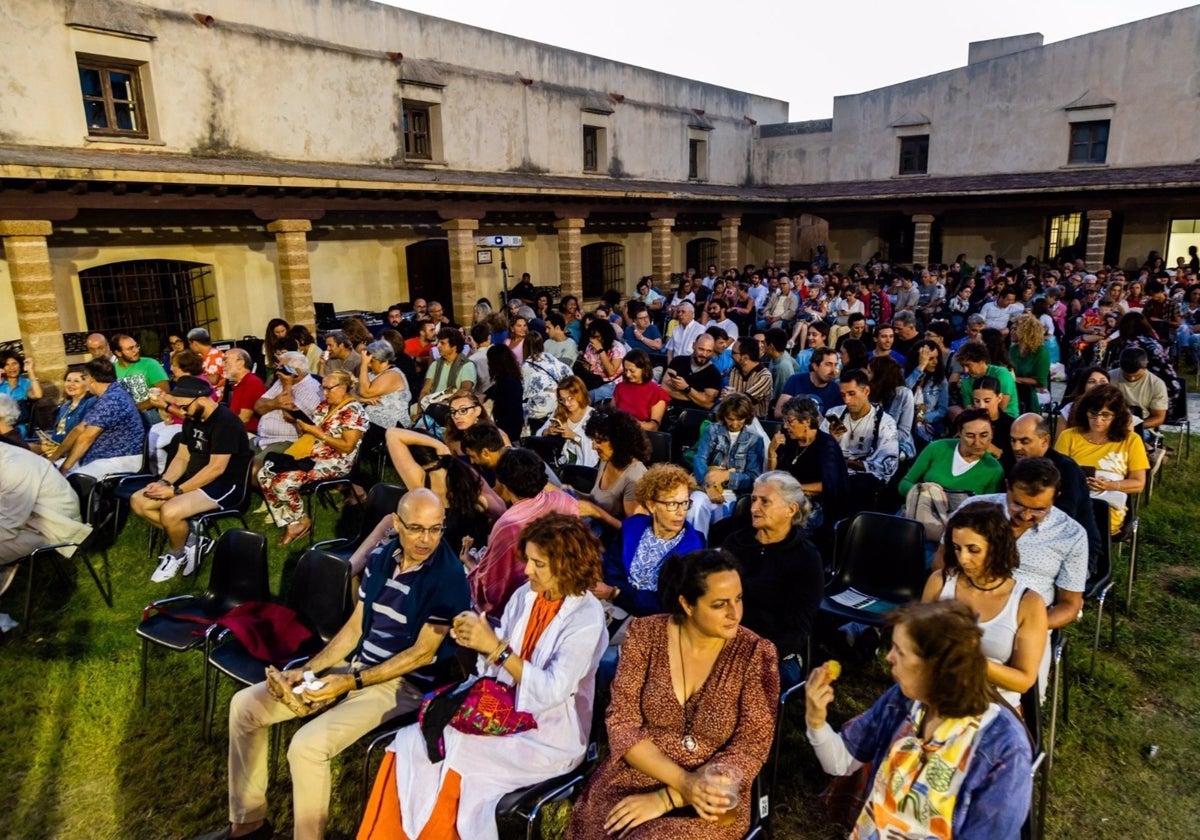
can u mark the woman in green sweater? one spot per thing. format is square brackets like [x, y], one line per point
[1030, 359]
[960, 465]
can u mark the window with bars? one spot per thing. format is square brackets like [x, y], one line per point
[1089, 142]
[603, 269]
[591, 148]
[148, 299]
[1062, 232]
[418, 136]
[914, 155]
[112, 98]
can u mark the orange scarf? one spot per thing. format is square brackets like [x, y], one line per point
[543, 613]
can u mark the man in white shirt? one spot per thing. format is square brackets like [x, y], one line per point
[865, 432]
[718, 318]
[758, 290]
[685, 333]
[996, 314]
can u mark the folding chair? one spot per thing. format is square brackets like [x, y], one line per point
[879, 564]
[549, 449]
[660, 447]
[582, 479]
[1031, 712]
[1128, 535]
[239, 574]
[204, 523]
[528, 802]
[382, 500]
[93, 511]
[1100, 583]
[320, 595]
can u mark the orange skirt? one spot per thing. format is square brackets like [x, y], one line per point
[381, 820]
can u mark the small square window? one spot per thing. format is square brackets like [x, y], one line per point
[914, 155]
[112, 98]
[1089, 142]
[418, 140]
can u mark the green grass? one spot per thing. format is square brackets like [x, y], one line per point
[80, 758]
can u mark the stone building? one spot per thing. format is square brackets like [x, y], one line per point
[167, 163]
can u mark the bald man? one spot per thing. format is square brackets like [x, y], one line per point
[97, 346]
[1030, 435]
[393, 649]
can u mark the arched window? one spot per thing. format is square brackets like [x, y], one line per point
[603, 269]
[148, 299]
[701, 253]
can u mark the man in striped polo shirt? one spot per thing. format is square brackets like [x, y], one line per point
[392, 650]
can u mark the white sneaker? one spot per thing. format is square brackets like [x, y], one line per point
[191, 557]
[168, 567]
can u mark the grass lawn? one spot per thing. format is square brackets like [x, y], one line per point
[80, 758]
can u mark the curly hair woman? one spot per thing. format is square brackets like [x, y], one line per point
[1030, 360]
[623, 449]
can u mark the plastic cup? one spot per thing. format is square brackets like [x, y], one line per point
[725, 777]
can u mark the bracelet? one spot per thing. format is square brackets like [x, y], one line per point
[499, 648]
[358, 682]
[503, 657]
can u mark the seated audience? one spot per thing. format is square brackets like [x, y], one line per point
[691, 380]
[930, 388]
[200, 343]
[110, 436]
[163, 433]
[558, 343]
[1141, 389]
[540, 373]
[37, 507]
[392, 649]
[890, 393]
[819, 381]
[10, 414]
[750, 377]
[638, 393]
[941, 711]
[137, 374]
[495, 572]
[340, 422]
[245, 386]
[623, 450]
[294, 388]
[632, 563]
[17, 378]
[75, 405]
[729, 453]
[864, 431]
[783, 577]
[208, 470]
[467, 410]
[813, 458]
[959, 465]
[986, 396]
[599, 365]
[507, 390]
[692, 688]
[569, 422]
[382, 391]
[976, 363]
[1113, 458]
[981, 554]
[546, 649]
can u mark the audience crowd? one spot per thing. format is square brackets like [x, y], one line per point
[640, 499]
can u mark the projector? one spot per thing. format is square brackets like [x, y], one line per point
[498, 241]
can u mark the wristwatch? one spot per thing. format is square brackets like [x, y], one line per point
[175, 487]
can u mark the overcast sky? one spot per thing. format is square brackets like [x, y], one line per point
[800, 52]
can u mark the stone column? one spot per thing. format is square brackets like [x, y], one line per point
[729, 243]
[661, 257]
[570, 256]
[783, 242]
[922, 230]
[33, 289]
[295, 278]
[1097, 238]
[463, 285]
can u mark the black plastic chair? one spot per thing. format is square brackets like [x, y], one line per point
[318, 494]
[686, 430]
[879, 564]
[549, 449]
[582, 479]
[771, 427]
[203, 524]
[94, 510]
[1128, 536]
[528, 802]
[1031, 713]
[382, 500]
[720, 530]
[1101, 581]
[239, 574]
[320, 595]
[660, 447]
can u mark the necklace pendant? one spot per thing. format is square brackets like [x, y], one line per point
[688, 742]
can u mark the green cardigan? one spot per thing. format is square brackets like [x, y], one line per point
[935, 462]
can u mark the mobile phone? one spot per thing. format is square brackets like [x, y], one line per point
[297, 414]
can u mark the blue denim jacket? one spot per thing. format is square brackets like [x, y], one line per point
[995, 795]
[744, 460]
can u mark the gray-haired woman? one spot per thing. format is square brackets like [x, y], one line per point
[382, 388]
[783, 578]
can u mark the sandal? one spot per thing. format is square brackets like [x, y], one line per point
[291, 534]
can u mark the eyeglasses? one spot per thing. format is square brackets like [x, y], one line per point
[434, 531]
[684, 505]
[328, 388]
[1035, 513]
[1100, 415]
[459, 412]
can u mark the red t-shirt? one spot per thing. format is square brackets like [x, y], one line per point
[416, 348]
[244, 395]
[639, 399]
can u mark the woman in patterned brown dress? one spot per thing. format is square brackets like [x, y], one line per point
[692, 687]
